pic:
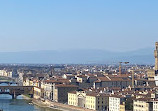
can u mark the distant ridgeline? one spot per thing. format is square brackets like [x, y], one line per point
[143, 56]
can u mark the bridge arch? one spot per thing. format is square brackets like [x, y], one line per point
[14, 91]
[8, 80]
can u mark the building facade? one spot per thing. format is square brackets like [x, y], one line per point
[94, 101]
[145, 104]
[60, 92]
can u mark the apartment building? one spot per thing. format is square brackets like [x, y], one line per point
[112, 82]
[145, 104]
[94, 100]
[37, 93]
[60, 92]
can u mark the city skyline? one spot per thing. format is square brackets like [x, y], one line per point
[78, 55]
[69, 25]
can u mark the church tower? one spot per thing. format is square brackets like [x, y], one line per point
[156, 58]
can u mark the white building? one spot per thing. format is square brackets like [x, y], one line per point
[114, 103]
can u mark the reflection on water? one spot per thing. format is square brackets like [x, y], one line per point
[19, 104]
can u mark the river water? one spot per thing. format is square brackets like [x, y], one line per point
[19, 104]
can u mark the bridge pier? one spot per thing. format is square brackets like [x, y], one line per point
[31, 95]
[14, 91]
[14, 96]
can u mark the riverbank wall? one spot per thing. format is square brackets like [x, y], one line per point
[26, 97]
[58, 106]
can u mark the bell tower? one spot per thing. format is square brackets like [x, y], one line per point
[156, 58]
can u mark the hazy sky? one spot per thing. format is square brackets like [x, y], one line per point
[116, 25]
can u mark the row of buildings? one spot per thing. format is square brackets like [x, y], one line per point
[136, 90]
[8, 73]
[96, 101]
[95, 92]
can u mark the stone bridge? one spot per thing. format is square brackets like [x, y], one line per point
[14, 91]
[8, 80]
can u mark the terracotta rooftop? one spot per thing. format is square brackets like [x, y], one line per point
[107, 78]
[64, 85]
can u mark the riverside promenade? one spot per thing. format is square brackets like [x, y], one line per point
[58, 106]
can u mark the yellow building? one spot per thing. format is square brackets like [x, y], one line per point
[94, 101]
[82, 99]
[37, 92]
[140, 105]
[122, 107]
[72, 98]
[145, 104]
[91, 102]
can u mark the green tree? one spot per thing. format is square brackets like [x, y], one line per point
[129, 104]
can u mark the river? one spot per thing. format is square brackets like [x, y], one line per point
[19, 104]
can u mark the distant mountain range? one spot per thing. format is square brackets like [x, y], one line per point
[142, 56]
